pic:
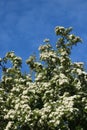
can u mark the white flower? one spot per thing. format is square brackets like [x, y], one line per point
[24, 97]
[79, 71]
[86, 107]
[0, 59]
[52, 121]
[59, 27]
[46, 40]
[54, 60]
[62, 75]
[71, 36]
[25, 92]
[62, 81]
[57, 122]
[10, 114]
[39, 77]
[17, 106]
[9, 125]
[16, 80]
[63, 53]
[79, 64]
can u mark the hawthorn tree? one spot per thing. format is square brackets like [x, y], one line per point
[55, 99]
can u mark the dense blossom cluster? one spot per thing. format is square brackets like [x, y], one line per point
[56, 99]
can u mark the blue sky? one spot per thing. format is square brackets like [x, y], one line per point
[24, 24]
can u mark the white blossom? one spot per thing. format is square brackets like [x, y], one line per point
[8, 127]
[79, 71]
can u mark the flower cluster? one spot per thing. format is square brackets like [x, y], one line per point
[55, 98]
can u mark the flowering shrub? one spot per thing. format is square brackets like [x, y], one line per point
[56, 99]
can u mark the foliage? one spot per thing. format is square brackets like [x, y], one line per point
[56, 99]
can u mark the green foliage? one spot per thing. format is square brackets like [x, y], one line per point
[56, 99]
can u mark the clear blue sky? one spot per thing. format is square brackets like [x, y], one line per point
[24, 24]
